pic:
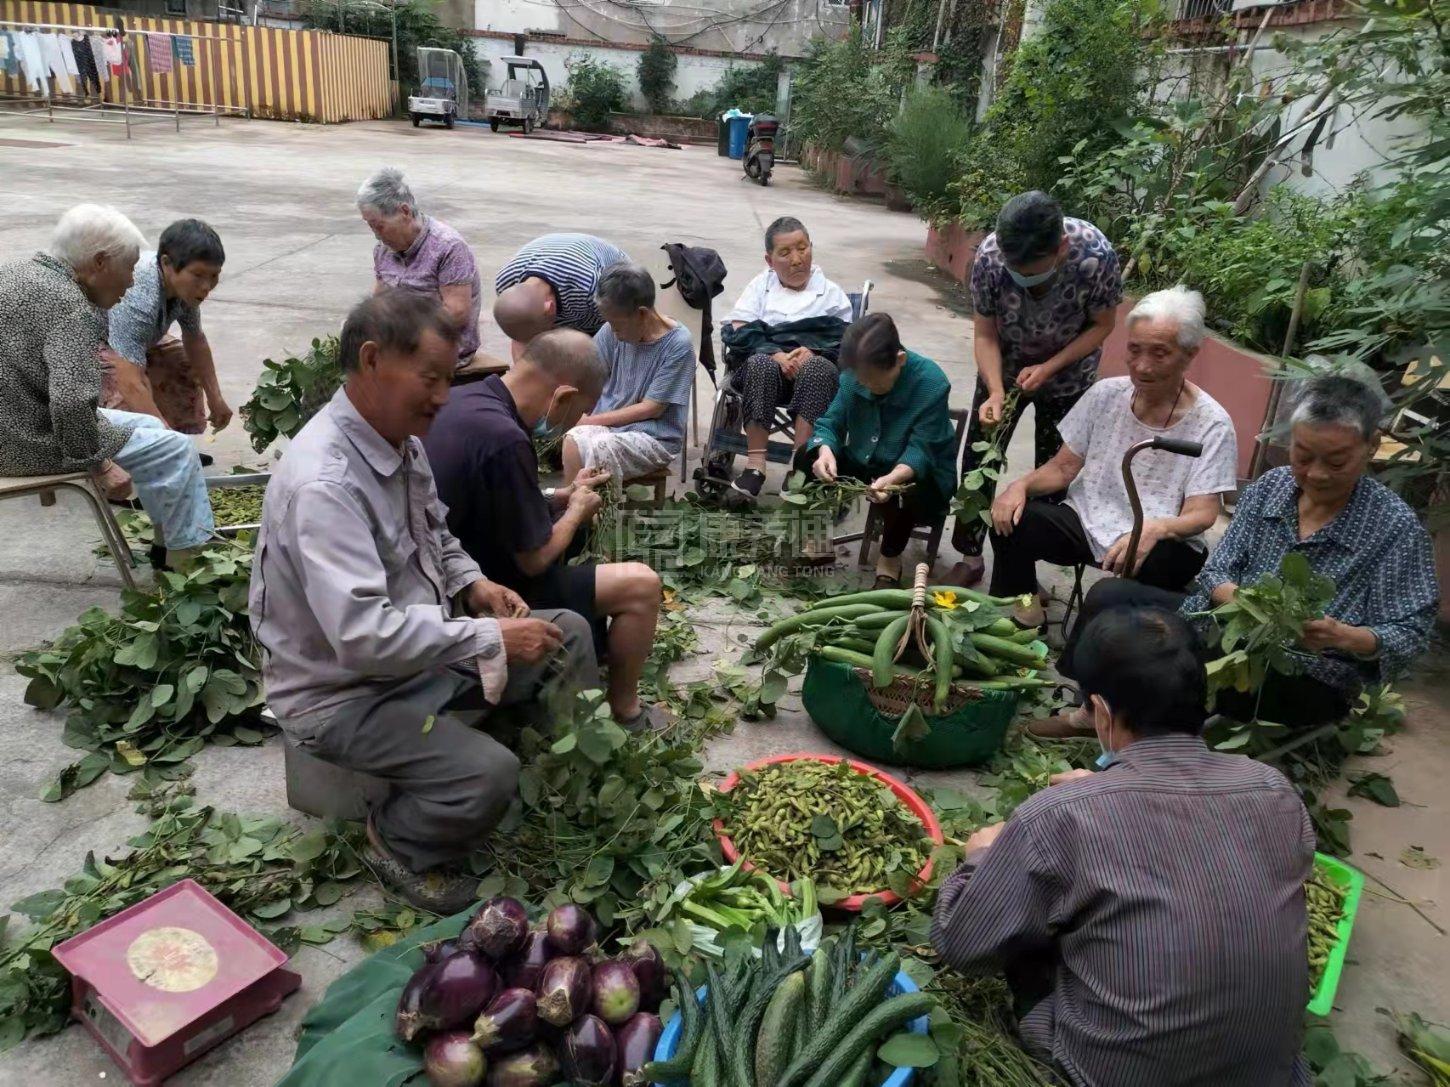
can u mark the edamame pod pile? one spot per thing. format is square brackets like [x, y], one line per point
[824, 821]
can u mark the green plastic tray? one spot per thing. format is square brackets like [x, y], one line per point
[1352, 880]
[836, 699]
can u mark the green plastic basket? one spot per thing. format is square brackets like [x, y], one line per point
[836, 699]
[1352, 881]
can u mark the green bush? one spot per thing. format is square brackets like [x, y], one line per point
[923, 143]
[1087, 67]
[656, 74]
[748, 88]
[595, 91]
[845, 88]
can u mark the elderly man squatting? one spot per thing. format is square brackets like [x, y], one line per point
[1181, 495]
[1149, 918]
[638, 425]
[146, 368]
[50, 374]
[421, 253]
[373, 620]
[1352, 529]
[790, 301]
[551, 283]
[488, 476]
[1045, 290]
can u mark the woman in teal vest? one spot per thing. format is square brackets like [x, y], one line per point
[888, 425]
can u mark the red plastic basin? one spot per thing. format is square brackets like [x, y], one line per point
[914, 803]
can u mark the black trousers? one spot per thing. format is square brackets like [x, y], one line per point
[1052, 532]
[900, 513]
[764, 387]
[1046, 441]
[1296, 701]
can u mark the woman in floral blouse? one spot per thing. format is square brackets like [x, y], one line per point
[1045, 291]
[1352, 529]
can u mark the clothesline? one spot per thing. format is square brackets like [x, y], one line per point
[91, 56]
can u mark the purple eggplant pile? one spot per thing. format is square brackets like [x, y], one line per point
[507, 1005]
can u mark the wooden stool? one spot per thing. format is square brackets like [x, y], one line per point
[46, 486]
[659, 480]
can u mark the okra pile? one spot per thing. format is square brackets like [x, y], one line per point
[824, 821]
[237, 505]
[1325, 900]
[960, 636]
[789, 1019]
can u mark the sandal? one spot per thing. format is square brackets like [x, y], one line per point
[886, 581]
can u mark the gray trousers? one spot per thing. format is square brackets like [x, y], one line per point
[452, 784]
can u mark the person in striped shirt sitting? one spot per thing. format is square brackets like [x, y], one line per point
[551, 283]
[1150, 917]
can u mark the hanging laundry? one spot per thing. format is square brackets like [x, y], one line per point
[98, 56]
[32, 61]
[158, 50]
[59, 59]
[85, 64]
[181, 44]
[115, 50]
[9, 54]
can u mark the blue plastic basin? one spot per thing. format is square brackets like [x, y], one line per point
[900, 1077]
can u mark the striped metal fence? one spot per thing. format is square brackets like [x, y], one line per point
[305, 75]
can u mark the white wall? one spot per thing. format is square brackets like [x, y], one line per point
[692, 73]
[730, 26]
[1359, 144]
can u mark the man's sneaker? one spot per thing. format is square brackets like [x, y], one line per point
[749, 483]
[437, 890]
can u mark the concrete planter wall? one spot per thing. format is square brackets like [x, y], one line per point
[658, 126]
[952, 248]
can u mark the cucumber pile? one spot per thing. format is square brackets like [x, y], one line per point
[789, 1019]
[959, 636]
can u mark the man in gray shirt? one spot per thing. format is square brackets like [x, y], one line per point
[1149, 918]
[377, 628]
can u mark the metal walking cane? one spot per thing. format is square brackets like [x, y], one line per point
[1168, 445]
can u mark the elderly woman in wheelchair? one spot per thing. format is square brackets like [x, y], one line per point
[889, 427]
[787, 325]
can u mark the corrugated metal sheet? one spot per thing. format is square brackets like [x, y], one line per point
[306, 75]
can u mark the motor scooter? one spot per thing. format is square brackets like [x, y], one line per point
[760, 147]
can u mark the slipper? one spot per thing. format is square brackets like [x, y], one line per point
[648, 719]
[886, 581]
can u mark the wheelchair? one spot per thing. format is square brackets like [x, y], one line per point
[726, 438]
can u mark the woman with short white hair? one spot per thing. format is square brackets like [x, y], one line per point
[1325, 506]
[421, 253]
[1181, 496]
[50, 378]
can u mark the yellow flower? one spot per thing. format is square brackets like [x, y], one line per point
[945, 599]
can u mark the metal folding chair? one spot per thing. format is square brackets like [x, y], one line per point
[45, 487]
[726, 438]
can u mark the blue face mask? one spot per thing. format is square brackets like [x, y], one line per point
[1031, 281]
[545, 430]
[1108, 757]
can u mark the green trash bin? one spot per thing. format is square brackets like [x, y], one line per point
[836, 697]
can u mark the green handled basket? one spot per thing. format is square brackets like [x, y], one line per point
[843, 704]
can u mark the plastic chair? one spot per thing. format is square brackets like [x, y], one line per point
[726, 439]
[46, 486]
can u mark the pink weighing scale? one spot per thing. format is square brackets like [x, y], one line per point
[161, 983]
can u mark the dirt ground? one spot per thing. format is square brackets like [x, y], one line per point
[281, 196]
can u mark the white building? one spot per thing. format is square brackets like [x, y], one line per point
[707, 38]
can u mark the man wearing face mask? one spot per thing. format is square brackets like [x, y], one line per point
[482, 454]
[1149, 918]
[1044, 294]
[377, 629]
